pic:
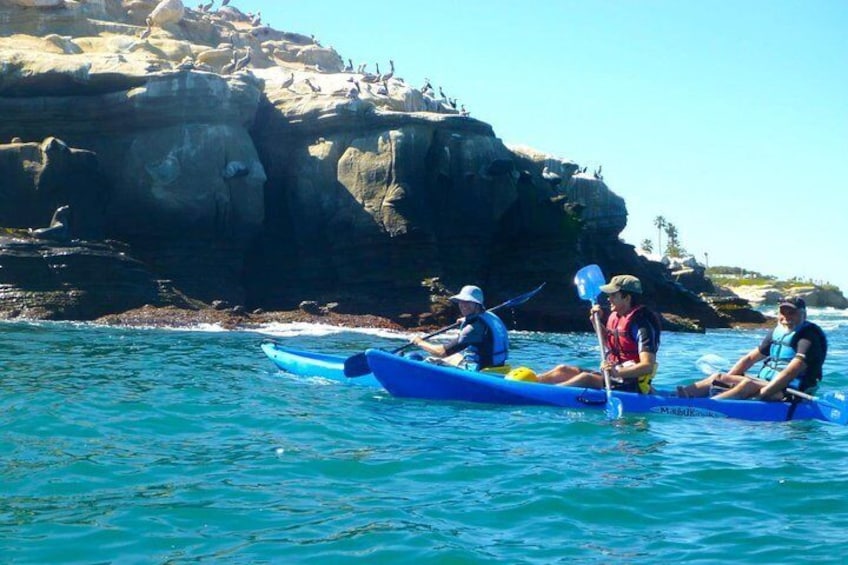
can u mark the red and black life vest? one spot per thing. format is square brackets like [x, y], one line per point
[621, 346]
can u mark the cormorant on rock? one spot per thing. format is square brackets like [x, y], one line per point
[229, 67]
[243, 62]
[146, 33]
[427, 86]
[452, 103]
[313, 87]
[551, 177]
[288, 82]
[442, 94]
[383, 90]
[360, 69]
[349, 67]
[463, 111]
[598, 174]
[257, 20]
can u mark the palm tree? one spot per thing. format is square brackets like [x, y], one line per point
[647, 246]
[660, 224]
[673, 247]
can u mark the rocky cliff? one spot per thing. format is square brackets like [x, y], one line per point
[236, 162]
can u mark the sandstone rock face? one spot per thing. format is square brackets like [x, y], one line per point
[167, 12]
[36, 3]
[245, 165]
[814, 296]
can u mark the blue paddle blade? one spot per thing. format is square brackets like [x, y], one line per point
[834, 406]
[614, 408]
[588, 281]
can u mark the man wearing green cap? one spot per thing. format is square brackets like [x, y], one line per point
[632, 337]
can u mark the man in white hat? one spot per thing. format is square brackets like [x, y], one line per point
[483, 340]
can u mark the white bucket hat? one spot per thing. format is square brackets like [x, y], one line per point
[469, 293]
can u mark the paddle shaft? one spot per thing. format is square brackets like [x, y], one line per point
[596, 321]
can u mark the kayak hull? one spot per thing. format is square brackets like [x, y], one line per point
[311, 364]
[407, 378]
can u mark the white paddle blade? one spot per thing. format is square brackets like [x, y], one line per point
[712, 363]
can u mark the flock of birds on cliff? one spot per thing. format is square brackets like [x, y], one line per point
[375, 84]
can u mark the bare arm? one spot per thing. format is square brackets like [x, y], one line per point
[432, 349]
[746, 362]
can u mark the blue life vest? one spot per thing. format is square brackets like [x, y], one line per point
[494, 350]
[781, 353]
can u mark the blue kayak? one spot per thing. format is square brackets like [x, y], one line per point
[408, 378]
[310, 364]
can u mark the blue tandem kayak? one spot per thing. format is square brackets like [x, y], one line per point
[408, 378]
[310, 364]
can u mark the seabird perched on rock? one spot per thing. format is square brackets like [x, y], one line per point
[313, 87]
[368, 77]
[463, 111]
[146, 33]
[257, 20]
[243, 62]
[452, 103]
[229, 67]
[349, 67]
[384, 89]
[427, 86]
[391, 73]
[442, 94]
[598, 174]
[288, 82]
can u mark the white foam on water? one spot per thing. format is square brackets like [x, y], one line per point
[301, 329]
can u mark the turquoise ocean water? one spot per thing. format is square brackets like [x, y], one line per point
[163, 446]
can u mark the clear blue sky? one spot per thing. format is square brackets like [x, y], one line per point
[728, 118]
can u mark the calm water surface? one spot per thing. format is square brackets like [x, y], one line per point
[154, 446]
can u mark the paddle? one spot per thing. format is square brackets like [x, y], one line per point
[357, 365]
[836, 402]
[589, 280]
